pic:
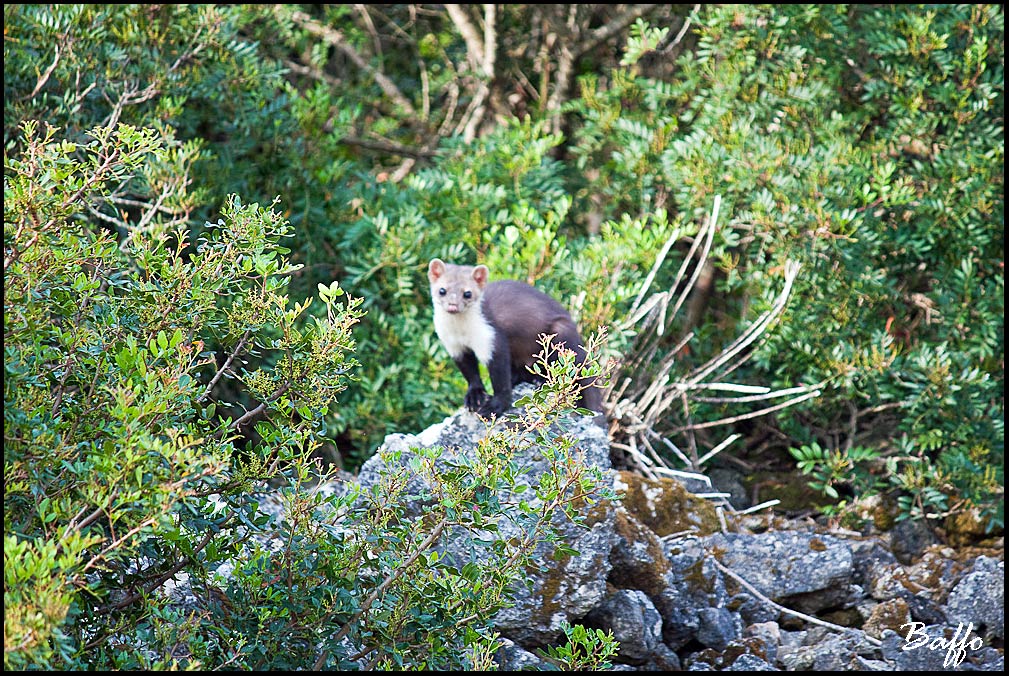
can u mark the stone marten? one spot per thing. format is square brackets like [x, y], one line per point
[498, 324]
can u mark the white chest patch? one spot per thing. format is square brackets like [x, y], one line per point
[465, 331]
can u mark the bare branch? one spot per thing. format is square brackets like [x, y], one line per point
[227, 365]
[167, 575]
[471, 36]
[362, 10]
[611, 28]
[335, 38]
[752, 414]
[45, 76]
[312, 72]
[480, 54]
[788, 611]
[428, 542]
[389, 147]
[569, 55]
[683, 30]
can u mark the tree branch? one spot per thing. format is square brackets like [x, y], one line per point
[788, 611]
[164, 577]
[570, 55]
[611, 28]
[335, 38]
[391, 148]
[227, 364]
[474, 43]
[428, 542]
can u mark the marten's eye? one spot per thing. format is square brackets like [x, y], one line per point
[442, 291]
[467, 294]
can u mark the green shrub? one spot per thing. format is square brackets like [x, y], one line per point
[865, 143]
[114, 438]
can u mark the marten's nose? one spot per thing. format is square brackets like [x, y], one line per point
[452, 307]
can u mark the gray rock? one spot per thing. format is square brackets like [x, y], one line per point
[635, 623]
[863, 664]
[792, 640]
[566, 588]
[663, 659]
[717, 627]
[700, 666]
[924, 609]
[726, 480]
[823, 650]
[935, 648]
[511, 657]
[692, 584]
[768, 634]
[979, 599]
[837, 597]
[782, 564]
[748, 662]
[752, 609]
[989, 659]
[835, 653]
[910, 538]
[797, 659]
[832, 652]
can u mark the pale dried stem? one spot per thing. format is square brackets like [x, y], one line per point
[643, 405]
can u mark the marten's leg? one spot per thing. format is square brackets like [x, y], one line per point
[500, 370]
[470, 368]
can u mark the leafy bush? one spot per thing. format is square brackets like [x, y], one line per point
[113, 436]
[866, 144]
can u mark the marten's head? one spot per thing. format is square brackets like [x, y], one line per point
[456, 288]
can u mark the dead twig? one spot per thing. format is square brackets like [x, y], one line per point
[788, 611]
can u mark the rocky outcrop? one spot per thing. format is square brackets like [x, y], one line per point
[682, 586]
[574, 584]
[650, 569]
[978, 599]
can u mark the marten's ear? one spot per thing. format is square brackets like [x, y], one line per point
[435, 269]
[480, 275]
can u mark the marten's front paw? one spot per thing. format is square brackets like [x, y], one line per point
[475, 398]
[493, 408]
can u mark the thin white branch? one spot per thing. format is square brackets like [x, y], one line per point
[788, 611]
[335, 38]
[611, 28]
[683, 30]
[48, 72]
[471, 36]
[711, 227]
[758, 397]
[673, 236]
[747, 416]
[732, 387]
[717, 449]
[755, 330]
[757, 508]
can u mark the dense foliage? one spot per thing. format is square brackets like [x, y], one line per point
[159, 379]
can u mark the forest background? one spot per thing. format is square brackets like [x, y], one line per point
[217, 220]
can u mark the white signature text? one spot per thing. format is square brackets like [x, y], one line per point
[955, 647]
